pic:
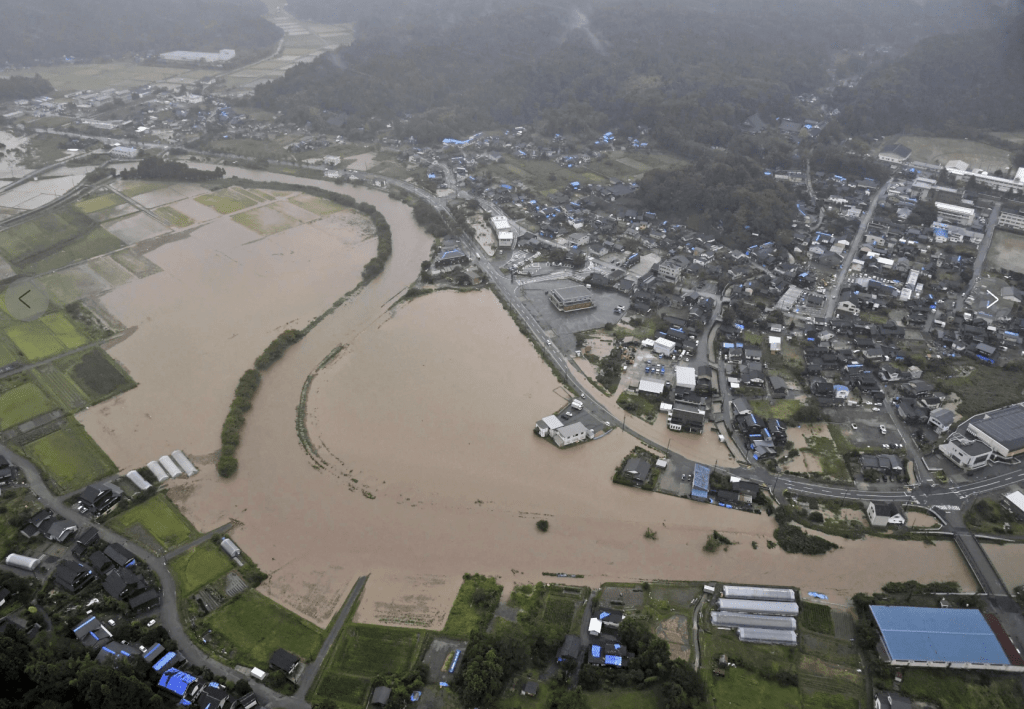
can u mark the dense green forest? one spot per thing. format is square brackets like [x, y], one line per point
[46, 31]
[724, 190]
[946, 84]
[55, 671]
[690, 71]
[18, 87]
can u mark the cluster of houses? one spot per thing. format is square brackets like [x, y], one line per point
[762, 436]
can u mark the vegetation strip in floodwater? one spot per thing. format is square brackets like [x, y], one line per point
[249, 383]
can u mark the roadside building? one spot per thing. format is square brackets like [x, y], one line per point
[968, 453]
[503, 231]
[124, 152]
[97, 499]
[955, 213]
[664, 346]
[894, 153]
[686, 378]
[882, 514]
[1011, 219]
[573, 298]
[638, 470]
[1002, 430]
[941, 420]
[73, 576]
[956, 638]
[548, 424]
[59, 530]
[284, 661]
[573, 433]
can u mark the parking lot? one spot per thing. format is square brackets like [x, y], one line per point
[867, 419]
[563, 326]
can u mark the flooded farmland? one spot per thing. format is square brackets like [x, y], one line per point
[423, 424]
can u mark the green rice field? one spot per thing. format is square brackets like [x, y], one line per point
[97, 242]
[254, 626]
[65, 330]
[156, 523]
[174, 217]
[35, 340]
[133, 188]
[199, 566]
[69, 459]
[48, 231]
[22, 404]
[96, 204]
[225, 201]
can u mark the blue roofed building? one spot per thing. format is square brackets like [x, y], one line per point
[164, 661]
[701, 482]
[176, 681]
[956, 638]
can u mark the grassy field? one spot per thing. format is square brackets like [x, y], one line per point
[47, 231]
[156, 519]
[174, 217]
[97, 242]
[962, 690]
[65, 330]
[255, 626]
[69, 459]
[783, 409]
[96, 374]
[816, 618]
[18, 505]
[629, 699]
[832, 464]
[316, 205]
[225, 201]
[199, 566]
[96, 204]
[740, 688]
[265, 220]
[983, 389]
[939, 151]
[133, 188]
[21, 404]
[465, 617]
[361, 653]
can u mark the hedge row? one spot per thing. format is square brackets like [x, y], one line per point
[794, 540]
[249, 384]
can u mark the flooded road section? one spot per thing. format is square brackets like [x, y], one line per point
[425, 423]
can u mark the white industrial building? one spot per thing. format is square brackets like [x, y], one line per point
[955, 213]
[573, 433]
[124, 152]
[1009, 219]
[138, 480]
[743, 605]
[230, 548]
[664, 346]
[503, 231]
[184, 463]
[158, 472]
[894, 152]
[759, 593]
[766, 636]
[170, 467]
[548, 424]
[224, 55]
[686, 378]
[722, 619]
[651, 386]
[1001, 430]
[19, 561]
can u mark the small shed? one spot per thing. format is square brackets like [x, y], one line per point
[380, 696]
[531, 688]
[230, 548]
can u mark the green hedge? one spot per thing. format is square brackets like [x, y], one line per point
[794, 540]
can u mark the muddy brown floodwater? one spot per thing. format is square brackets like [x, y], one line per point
[425, 422]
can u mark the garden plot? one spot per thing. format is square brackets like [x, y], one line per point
[134, 229]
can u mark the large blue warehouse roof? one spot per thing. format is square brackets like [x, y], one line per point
[938, 635]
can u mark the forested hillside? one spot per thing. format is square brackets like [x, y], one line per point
[690, 71]
[46, 31]
[18, 87]
[946, 84]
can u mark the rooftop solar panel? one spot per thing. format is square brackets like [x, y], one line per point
[938, 635]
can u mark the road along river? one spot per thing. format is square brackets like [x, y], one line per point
[425, 422]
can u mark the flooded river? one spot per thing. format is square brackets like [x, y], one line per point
[424, 421]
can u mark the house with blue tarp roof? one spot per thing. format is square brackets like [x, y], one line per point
[176, 681]
[701, 481]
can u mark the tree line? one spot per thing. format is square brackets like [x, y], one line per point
[22, 87]
[154, 168]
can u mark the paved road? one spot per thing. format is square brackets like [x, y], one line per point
[832, 299]
[218, 532]
[979, 260]
[168, 611]
[313, 668]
